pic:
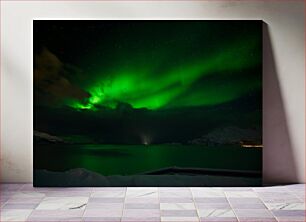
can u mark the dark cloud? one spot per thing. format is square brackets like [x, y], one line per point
[51, 83]
[125, 125]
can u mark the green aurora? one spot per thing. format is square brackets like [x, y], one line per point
[166, 75]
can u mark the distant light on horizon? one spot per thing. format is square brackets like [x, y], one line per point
[146, 139]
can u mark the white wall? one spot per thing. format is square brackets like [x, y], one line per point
[284, 63]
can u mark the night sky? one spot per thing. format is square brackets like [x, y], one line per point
[135, 82]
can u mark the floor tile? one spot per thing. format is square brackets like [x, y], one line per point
[106, 193]
[145, 213]
[176, 189]
[20, 202]
[278, 189]
[14, 214]
[54, 219]
[179, 219]
[254, 213]
[240, 194]
[280, 200]
[252, 219]
[302, 198]
[213, 205]
[300, 195]
[105, 200]
[177, 206]
[175, 193]
[25, 194]
[237, 189]
[101, 219]
[141, 206]
[29, 187]
[104, 206]
[179, 213]
[64, 189]
[210, 200]
[134, 192]
[68, 193]
[218, 219]
[103, 213]
[3, 200]
[289, 213]
[274, 197]
[10, 186]
[216, 213]
[142, 200]
[62, 203]
[20, 206]
[207, 192]
[26, 200]
[57, 213]
[2, 205]
[108, 189]
[141, 189]
[291, 219]
[296, 186]
[245, 200]
[140, 219]
[285, 206]
[175, 200]
[248, 206]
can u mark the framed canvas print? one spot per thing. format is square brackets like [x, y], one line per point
[147, 103]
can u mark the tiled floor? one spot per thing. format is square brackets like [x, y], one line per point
[22, 202]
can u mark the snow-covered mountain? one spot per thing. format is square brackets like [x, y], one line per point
[228, 135]
[46, 138]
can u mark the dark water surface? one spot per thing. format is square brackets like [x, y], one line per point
[137, 159]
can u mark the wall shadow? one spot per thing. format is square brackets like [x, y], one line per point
[278, 161]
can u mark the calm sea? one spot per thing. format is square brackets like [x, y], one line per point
[137, 159]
